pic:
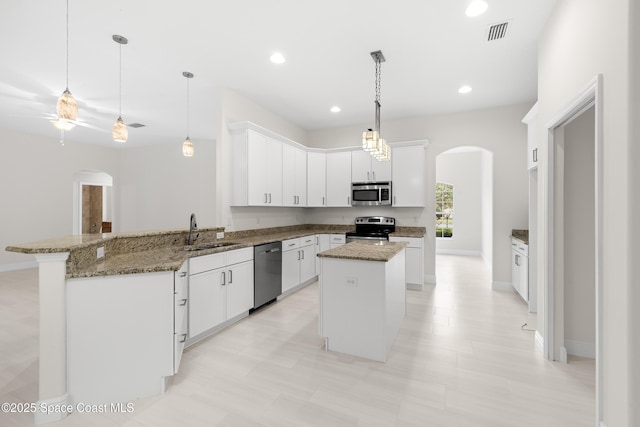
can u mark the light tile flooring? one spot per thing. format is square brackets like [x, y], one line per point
[461, 359]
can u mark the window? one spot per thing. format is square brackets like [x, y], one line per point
[444, 210]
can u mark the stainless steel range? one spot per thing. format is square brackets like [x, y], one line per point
[372, 228]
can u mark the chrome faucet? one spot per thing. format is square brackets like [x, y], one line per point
[193, 227]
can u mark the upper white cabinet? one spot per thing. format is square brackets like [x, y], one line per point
[294, 176]
[407, 164]
[531, 120]
[365, 168]
[338, 179]
[316, 179]
[257, 169]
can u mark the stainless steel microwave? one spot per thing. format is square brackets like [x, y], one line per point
[371, 194]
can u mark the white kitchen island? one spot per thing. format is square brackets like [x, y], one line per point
[362, 297]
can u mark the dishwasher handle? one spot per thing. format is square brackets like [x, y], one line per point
[272, 250]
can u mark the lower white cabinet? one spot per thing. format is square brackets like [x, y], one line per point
[298, 261]
[180, 314]
[414, 258]
[336, 240]
[520, 268]
[220, 289]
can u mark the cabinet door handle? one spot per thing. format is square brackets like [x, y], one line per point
[322, 200]
[298, 255]
[265, 197]
[224, 279]
[230, 276]
[317, 241]
[183, 338]
[518, 260]
[535, 155]
[367, 175]
[183, 302]
[302, 251]
[183, 274]
[348, 200]
[269, 197]
[374, 175]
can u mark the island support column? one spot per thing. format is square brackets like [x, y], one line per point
[53, 399]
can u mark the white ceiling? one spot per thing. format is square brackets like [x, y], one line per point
[431, 49]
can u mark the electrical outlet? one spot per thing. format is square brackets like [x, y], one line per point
[220, 235]
[100, 252]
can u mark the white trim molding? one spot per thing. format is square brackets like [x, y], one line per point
[539, 342]
[462, 252]
[430, 279]
[590, 96]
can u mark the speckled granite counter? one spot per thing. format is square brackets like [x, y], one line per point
[522, 235]
[364, 250]
[164, 250]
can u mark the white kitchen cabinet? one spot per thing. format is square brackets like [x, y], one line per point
[336, 240]
[407, 163]
[181, 312]
[298, 262]
[339, 179]
[256, 169]
[365, 168]
[520, 268]
[316, 179]
[414, 258]
[220, 289]
[531, 120]
[294, 176]
[322, 244]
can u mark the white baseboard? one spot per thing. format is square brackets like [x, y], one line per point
[579, 348]
[458, 252]
[18, 266]
[55, 409]
[603, 424]
[502, 286]
[430, 279]
[539, 342]
[563, 355]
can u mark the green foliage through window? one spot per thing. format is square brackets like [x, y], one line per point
[444, 210]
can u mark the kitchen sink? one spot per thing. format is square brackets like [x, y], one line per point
[209, 246]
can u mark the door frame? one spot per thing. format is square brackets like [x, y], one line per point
[590, 96]
[87, 177]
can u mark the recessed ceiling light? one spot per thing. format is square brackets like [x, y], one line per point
[277, 58]
[465, 89]
[476, 8]
[335, 109]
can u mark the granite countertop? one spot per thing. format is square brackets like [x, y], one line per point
[164, 250]
[522, 235]
[362, 250]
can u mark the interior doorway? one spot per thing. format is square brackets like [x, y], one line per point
[573, 251]
[92, 202]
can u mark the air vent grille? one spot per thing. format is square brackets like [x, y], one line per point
[497, 31]
[136, 125]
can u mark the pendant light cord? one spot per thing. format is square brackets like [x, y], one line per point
[120, 88]
[188, 107]
[67, 44]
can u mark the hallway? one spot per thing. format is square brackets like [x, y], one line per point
[460, 360]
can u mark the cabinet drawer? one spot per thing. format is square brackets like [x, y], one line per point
[290, 244]
[308, 240]
[520, 247]
[239, 255]
[414, 242]
[338, 238]
[203, 263]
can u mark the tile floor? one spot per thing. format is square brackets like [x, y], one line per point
[461, 359]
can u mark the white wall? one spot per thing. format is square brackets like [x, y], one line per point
[498, 130]
[487, 208]
[36, 187]
[579, 235]
[464, 171]
[583, 39]
[160, 188]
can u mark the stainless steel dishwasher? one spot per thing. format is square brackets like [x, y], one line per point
[267, 273]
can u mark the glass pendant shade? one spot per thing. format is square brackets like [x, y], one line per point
[67, 107]
[187, 148]
[119, 131]
[370, 140]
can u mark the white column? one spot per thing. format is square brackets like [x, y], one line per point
[52, 396]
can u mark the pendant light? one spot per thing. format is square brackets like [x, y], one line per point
[187, 145]
[66, 107]
[119, 131]
[372, 142]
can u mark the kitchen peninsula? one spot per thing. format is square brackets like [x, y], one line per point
[362, 297]
[113, 306]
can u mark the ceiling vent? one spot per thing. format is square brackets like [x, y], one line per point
[136, 125]
[497, 31]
